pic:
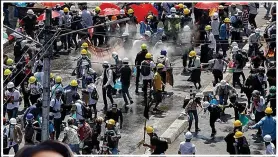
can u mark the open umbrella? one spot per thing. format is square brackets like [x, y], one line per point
[239, 3]
[110, 11]
[52, 4]
[206, 5]
[109, 5]
[139, 12]
[150, 7]
[42, 16]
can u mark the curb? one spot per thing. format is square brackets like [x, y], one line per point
[180, 124]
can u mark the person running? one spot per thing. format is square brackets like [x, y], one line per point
[126, 74]
[191, 109]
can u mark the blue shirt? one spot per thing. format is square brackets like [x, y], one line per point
[87, 18]
[223, 33]
[268, 126]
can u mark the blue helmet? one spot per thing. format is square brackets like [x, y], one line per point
[233, 19]
[163, 52]
[160, 30]
[29, 116]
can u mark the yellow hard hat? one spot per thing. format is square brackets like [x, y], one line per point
[84, 45]
[192, 54]
[227, 20]
[7, 72]
[10, 61]
[237, 123]
[150, 17]
[130, 11]
[208, 27]
[58, 79]
[148, 56]
[160, 66]
[73, 83]
[181, 6]
[51, 75]
[84, 52]
[111, 122]
[149, 129]
[186, 11]
[66, 9]
[238, 134]
[220, 7]
[32, 79]
[268, 110]
[143, 46]
[97, 9]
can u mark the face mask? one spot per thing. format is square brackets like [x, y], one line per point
[83, 56]
[12, 126]
[257, 34]
[148, 20]
[129, 14]
[173, 14]
[222, 87]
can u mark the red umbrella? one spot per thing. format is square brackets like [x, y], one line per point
[139, 12]
[206, 5]
[151, 8]
[239, 3]
[109, 11]
[52, 4]
[109, 5]
[42, 16]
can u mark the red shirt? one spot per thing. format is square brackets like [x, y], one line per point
[84, 131]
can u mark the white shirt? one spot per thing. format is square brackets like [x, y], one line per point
[39, 76]
[197, 62]
[270, 149]
[79, 114]
[212, 40]
[15, 95]
[187, 148]
[35, 89]
[56, 104]
[150, 77]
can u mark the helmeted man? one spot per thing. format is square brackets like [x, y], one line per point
[174, 21]
[82, 67]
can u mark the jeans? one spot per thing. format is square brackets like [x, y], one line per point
[223, 99]
[75, 148]
[12, 113]
[108, 91]
[66, 40]
[252, 20]
[114, 151]
[125, 93]
[84, 82]
[192, 113]
[7, 150]
[267, 7]
[138, 71]
[57, 126]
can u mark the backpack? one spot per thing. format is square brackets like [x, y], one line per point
[29, 132]
[114, 75]
[146, 68]
[161, 60]
[94, 95]
[85, 111]
[163, 143]
[257, 5]
[67, 21]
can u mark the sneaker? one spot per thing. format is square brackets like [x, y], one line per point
[131, 102]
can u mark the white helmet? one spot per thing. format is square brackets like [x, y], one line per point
[122, 12]
[10, 85]
[125, 60]
[148, 33]
[173, 10]
[223, 82]
[114, 54]
[267, 138]
[215, 16]
[188, 135]
[235, 49]
[186, 28]
[13, 121]
[72, 8]
[234, 44]
[30, 11]
[257, 30]
[199, 95]
[206, 104]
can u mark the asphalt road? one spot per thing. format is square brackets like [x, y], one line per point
[132, 131]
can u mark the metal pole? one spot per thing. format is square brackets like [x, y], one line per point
[22, 35]
[46, 78]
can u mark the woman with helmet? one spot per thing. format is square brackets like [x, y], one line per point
[56, 108]
[12, 98]
[14, 136]
[230, 140]
[267, 124]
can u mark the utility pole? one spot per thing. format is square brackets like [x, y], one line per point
[46, 76]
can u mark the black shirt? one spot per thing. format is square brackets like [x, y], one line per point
[114, 115]
[125, 75]
[155, 141]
